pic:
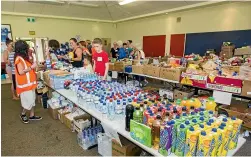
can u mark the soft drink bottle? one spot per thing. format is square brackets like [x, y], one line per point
[138, 115]
[156, 132]
[129, 115]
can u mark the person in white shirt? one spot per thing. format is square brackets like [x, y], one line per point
[87, 64]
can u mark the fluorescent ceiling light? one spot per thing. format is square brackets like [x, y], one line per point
[47, 1]
[83, 4]
[126, 2]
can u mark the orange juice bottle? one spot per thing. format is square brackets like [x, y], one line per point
[184, 102]
[213, 149]
[210, 104]
[190, 103]
[197, 102]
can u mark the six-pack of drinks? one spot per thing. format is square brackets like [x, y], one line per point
[183, 127]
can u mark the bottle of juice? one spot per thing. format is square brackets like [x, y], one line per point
[175, 124]
[221, 138]
[210, 114]
[210, 104]
[204, 143]
[184, 109]
[166, 139]
[151, 118]
[178, 102]
[138, 115]
[156, 132]
[226, 140]
[236, 131]
[197, 102]
[184, 102]
[146, 114]
[141, 108]
[180, 140]
[214, 146]
[167, 118]
[191, 142]
[190, 103]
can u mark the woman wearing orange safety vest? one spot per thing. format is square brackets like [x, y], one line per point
[25, 80]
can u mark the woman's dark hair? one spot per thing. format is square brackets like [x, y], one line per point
[74, 39]
[21, 49]
[8, 41]
[54, 44]
[130, 41]
[124, 44]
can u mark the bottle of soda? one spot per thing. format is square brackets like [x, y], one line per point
[129, 115]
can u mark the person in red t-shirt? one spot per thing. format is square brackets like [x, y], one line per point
[100, 59]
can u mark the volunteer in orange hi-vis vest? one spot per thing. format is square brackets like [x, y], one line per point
[25, 80]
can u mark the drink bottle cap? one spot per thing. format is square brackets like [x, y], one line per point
[173, 122]
[208, 123]
[182, 126]
[223, 124]
[192, 107]
[151, 114]
[124, 103]
[233, 118]
[221, 127]
[201, 125]
[211, 120]
[192, 113]
[202, 109]
[203, 133]
[194, 120]
[211, 112]
[155, 104]
[169, 123]
[184, 108]
[158, 117]
[177, 117]
[201, 114]
[214, 130]
[191, 128]
[202, 118]
[184, 114]
[187, 122]
[224, 119]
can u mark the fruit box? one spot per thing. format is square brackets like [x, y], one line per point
[238, 109]
[246, 88]
[141, 133]
[171, 73]
[151, 70]
[127, 149]
[138, 69]
[224, 84]
[193, 80]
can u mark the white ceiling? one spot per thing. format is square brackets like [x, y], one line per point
[105, 10]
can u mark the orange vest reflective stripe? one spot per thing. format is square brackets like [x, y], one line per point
[26, 81]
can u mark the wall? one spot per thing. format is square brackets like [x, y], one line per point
[227, 16]
[59, 29]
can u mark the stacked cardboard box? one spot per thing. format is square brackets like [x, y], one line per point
[227, 51]
[127, 149]
[243, 51]
[171, 73]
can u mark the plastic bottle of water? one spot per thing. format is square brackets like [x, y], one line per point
[111, 110]
[119, 108]
[124, 108]
[104, 108]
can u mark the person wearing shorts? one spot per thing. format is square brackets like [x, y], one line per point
[25, 81]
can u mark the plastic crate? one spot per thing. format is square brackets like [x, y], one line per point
[104, 145]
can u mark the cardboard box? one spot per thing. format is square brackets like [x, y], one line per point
[54, 112]
[238, 109]
[243, 51]
[224, 84]
[246, 88]
[138, 69]
[151, 70]
[111, 66]
[120, 66]
[127, 149]
[180, 94]
[81, 125]
[61, 116]
[171, 73]
[193, 80]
